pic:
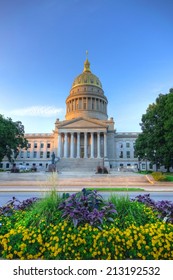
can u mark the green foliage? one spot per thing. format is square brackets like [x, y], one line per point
[155, 141]
[46, 209]
[131, 212]
[11, 138]
[159, 176]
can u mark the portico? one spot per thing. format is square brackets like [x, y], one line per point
[82, 144]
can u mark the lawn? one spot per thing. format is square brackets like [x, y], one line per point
[117, 189]
[84, 226]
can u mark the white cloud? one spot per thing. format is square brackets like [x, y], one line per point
[37, 111]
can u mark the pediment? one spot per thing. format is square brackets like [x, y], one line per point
[83, 123]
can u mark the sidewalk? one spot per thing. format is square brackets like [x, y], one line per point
[71, 181]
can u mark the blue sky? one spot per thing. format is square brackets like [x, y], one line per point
[42, 50]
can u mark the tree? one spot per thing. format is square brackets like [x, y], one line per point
[11, 138]
[156, 140]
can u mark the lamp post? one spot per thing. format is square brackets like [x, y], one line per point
[145, 161]
[155, 161]
[139, 164]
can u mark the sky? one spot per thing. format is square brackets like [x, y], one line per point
[43, 47]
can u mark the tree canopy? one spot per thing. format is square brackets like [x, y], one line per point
[156, 140]
[11, 138]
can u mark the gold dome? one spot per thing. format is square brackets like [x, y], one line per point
[87, 77]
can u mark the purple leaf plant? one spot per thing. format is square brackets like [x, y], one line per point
[87, 207]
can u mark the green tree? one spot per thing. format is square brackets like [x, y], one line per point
[11, 138]
[156, 140]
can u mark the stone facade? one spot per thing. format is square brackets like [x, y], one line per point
[86, 137]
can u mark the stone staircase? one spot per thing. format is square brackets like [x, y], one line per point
[79, 164]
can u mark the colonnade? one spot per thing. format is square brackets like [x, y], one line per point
[82, 144]
[87, 103]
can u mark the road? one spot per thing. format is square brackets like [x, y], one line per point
[6, 196]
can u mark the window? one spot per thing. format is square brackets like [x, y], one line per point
[41, 154]
[7, 165]
[121, 145]
[40, 164]
[48, 155]
[127, 145]
[28, 154]
[42, 145]
[21, 154]
[143, 166]
[48, 145]
[84, 104]
[97, 104]
[1, 165]
[35, 154]
[92, 104]
[121, 154]
[35, 145]
[128, 154]
[77, 104]
[29, 145]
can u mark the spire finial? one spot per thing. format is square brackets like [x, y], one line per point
[86, 64]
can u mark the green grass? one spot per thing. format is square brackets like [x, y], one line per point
[117, 189]
[131, 212]
[169, 178]
[44, 209]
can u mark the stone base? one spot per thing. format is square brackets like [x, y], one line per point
[52, 167]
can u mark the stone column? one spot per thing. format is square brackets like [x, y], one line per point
[72, 145]
[85, 144]
[105, 144]
[92, 145]
[59, 145]
[98, 144]
[65, 145]
[78, 144]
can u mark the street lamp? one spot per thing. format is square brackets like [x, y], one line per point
[139, 164]
[155, 161]
[146, 161]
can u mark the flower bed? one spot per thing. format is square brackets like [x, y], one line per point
[27, 235]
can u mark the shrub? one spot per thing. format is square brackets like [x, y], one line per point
[14, 169]
[99, 169]
[87, 206]
[102, 170]
[158, 176]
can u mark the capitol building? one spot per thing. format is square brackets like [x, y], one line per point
[87, 138]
